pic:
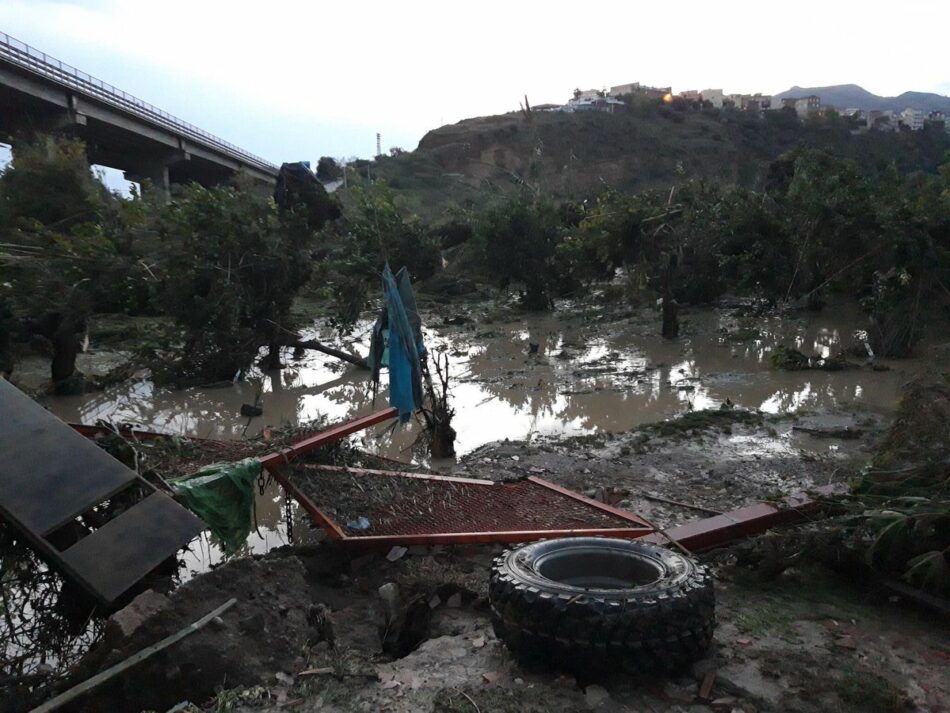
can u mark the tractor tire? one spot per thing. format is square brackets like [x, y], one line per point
[590, 603]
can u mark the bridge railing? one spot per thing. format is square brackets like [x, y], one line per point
[33, 60]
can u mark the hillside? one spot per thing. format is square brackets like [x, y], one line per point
[846, 96]
[477, 162]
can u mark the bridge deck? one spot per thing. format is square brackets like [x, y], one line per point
[51, 476]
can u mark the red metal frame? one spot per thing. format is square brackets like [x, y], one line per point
[722, 529]
[331, 528]
[324, 438]
[697, 535]
[593, 503]
[640, 529]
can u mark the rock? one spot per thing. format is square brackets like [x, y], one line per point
[725, 703]
[846, 642]
[127, 620]
[396, 553]
[251, 410]
[596, 697]
[455, 601]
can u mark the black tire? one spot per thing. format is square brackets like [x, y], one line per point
[589, 602]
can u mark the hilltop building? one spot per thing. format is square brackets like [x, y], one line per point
[713, 96]
[803, 106]
[593, 100]
[913, 119]
[638, 89]
[749, 102]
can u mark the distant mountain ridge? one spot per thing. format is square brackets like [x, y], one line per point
[851, 96]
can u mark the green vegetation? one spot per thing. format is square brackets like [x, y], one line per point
[519, 242]
[224, 264]
[372, 232]
[870, 693]
[722, 419]
[482, 162]
[769, 617]
[67, 247]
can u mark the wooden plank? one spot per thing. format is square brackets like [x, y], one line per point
[49, 474]
[125, 549]
[111, 672]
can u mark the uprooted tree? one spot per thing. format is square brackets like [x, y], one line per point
[232, 263]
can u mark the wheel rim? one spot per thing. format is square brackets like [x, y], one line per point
[599, 568]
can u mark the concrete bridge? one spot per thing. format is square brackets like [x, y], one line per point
[40, 93]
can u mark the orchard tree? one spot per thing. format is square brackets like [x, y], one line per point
[55, 250]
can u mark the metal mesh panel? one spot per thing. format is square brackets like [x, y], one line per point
[410, 505]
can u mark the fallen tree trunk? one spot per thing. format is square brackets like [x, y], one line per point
[329, 351]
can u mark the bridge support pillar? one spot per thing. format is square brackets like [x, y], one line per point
[151, 176]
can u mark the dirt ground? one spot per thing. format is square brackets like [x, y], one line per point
[808, 642]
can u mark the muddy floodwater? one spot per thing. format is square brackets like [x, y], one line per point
[585, 376]
[518, 377]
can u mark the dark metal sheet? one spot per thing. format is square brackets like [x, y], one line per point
[49, 474]
[125, 549]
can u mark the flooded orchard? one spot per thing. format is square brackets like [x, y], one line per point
[583, 370]
[562, 394]
[518, 377]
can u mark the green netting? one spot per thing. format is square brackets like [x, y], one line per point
[222, 494]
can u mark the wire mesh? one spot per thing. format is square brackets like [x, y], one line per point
[406, 504]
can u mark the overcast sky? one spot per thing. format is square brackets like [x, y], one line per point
[297, 80]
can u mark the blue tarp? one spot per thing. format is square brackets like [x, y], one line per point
[397, 344]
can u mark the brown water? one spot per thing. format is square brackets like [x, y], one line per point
[585, 377]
